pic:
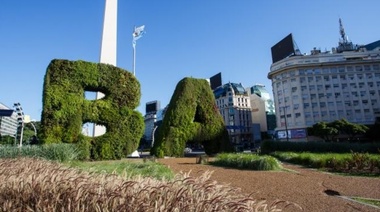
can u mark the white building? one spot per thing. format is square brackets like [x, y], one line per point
[326, 86]
[8, 125]
[233, 103]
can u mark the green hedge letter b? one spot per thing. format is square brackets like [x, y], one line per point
[65, 108]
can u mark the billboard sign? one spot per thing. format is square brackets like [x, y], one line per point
[283, 49]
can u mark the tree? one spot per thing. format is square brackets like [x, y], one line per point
[324, 131]
[350, 129]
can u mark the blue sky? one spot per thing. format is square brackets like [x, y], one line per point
[184, 38]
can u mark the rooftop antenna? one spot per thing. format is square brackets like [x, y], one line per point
[341, 31]
[344, 43]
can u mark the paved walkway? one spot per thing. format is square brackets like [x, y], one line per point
[311, 189]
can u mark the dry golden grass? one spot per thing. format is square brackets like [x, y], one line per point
[38, 185]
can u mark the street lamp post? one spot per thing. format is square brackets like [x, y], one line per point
[154, 130]
[137, 34]
[286, 124]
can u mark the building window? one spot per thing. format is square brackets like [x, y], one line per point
[376, 67]
[358, 68]
[341, 69]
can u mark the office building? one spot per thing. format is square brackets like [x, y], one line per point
[152, 115]
[234, 105]
[324, 86]
[8, 124]
[263, 112]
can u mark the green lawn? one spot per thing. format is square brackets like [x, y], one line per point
[126, 167]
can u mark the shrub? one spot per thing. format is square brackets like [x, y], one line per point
[246, 161]
[317, 147]
[360, 163]
[65, 109]
[56, 152]
[191, 116]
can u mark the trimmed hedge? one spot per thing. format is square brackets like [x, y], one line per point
[65, 108]
[192, 116]
[318, 147]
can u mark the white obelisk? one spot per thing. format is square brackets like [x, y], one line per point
[108, 46]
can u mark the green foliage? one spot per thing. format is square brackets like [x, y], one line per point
[323, 130]
[374, 202]
[56, 152]
[192, 116]
[247, 161]
[318, 147]
[7, 140]
[353, 162]
[65, 109]
[328, 131]
[131, 168]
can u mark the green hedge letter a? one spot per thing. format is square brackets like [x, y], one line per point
[192, 116]
[65, 108]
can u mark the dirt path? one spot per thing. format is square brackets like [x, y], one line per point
[312, 190]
